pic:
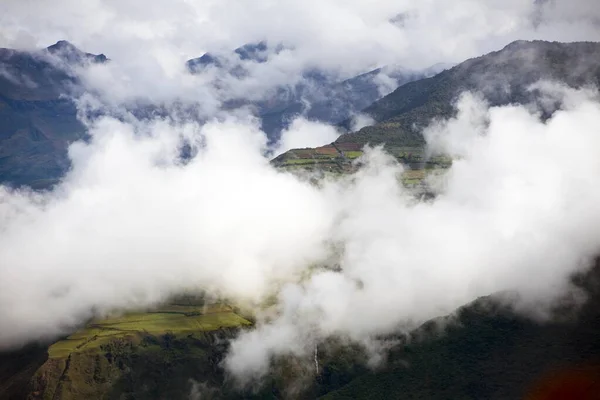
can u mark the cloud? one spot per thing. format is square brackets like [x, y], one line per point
[519, 202]
[131, 225]
[360, 121]
[150, 42]
[303, 133]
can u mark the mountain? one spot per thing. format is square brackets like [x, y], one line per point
[256, 52]
[503, 77]
[170, 352]
[482, 351]
[331, 101]
[72, 55]
[42, 75]
[37, 118]
[486, 351]
[318, 95]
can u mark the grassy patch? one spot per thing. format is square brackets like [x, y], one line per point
[353, 154]
[175, 319]
[64, 348]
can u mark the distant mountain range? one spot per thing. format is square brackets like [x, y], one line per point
[256, 52]
[38, 118]
[503, 77]
[319, 95]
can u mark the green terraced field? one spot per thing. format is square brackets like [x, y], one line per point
[175, 319]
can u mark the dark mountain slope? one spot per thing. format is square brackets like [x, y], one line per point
[328, 101]
[37, 119]
[42, 75]
[483, 351]
[503, 77]
[488, 352]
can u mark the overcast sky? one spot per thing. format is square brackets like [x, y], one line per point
[352, 34]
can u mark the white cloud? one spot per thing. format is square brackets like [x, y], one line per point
[129, 226]
[360, 121]
[303, 133]
[150, 41]
[517, 211]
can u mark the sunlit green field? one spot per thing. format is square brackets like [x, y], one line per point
[175, 319]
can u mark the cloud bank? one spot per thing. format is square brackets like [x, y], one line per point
[305, 133]
[133, 224]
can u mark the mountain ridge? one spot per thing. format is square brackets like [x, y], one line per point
[402, 114]
[320, 95]
[38, 119]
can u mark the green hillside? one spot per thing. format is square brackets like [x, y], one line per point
[343, 158]
[161, 354]
[483, 351]
[140, 355]
[503, 77]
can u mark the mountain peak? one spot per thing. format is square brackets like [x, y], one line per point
[62, 45]
[518, 43]
[69, 53]
[258, 52]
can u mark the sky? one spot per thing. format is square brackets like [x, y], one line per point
[131, 225]
[150, 41]
[350, 36]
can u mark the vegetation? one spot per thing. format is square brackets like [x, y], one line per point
[483, 351]
[141, 355]
[488, 352]
[161, 354]
[174, 319]
[336, 160]
[503, 77]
